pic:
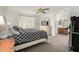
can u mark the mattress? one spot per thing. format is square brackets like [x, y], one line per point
[29, 35]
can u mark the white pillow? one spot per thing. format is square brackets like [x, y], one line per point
[12, 31]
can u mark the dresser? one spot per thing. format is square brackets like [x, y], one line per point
[63, 31]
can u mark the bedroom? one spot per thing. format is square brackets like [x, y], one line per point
[44, 25]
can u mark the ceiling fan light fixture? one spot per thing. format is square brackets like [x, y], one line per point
[41, 10]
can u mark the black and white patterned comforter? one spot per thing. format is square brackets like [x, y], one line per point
[29, 35]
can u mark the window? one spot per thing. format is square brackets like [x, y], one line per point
[26, 22]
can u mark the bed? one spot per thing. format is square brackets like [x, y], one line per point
[29, 37]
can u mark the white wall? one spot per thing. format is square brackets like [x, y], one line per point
[64, 16]
[53, 19]
[14, 17]
[37, 22]
[9, 16]
[74, 11]
[52, 22]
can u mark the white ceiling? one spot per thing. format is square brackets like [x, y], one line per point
[74, 10]
[30, 9]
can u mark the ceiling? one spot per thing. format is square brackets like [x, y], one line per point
[30, 9]
[74, 10]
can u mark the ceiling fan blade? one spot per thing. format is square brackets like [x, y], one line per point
[40, 10]
[37, 12]
[46, 9]
[43, 12]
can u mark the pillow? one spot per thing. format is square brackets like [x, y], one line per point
[16, 28]
[19, 29]
[13, 31]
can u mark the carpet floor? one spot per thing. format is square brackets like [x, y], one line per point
[58, 43]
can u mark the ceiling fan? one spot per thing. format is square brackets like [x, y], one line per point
[41, 10]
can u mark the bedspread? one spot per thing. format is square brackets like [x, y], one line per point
[29, 35]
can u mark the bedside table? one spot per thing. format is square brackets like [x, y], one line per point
[7, 45]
